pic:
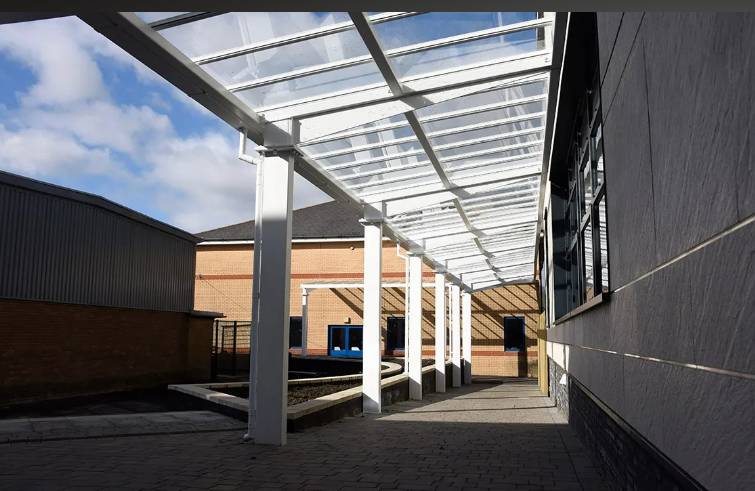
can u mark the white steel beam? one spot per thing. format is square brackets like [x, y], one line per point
[270, 303]
[440, 332]
[373, 249]
[466, 337]
[455, 336]
[414, 354]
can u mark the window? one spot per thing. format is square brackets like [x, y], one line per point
[513, 334]
[345, 341]
[295, 332]
[394, 336]
[586, 256]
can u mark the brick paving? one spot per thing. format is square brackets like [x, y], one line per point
[483, 436]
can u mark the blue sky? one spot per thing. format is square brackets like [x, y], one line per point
[76, 110]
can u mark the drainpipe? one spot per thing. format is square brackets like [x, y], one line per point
[254, 335]
[406, 306]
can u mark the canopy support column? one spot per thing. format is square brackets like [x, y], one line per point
[466, 336]
[373, 252]
[440, 332]
[270, 300]
[455, 336]
[414, 357]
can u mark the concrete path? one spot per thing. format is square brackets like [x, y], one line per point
[484, 436]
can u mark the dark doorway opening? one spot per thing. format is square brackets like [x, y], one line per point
[394, 336]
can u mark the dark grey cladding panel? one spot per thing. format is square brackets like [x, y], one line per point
[624, 45]
[698, 419]
[629, 179]
[600, 371]
[608, 27]
[720, 304]
[698, 122]
[659, 331]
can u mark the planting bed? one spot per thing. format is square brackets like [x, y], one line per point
[298, 393]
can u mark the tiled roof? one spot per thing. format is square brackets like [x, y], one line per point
[324, 221]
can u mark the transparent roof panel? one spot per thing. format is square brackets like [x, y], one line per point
[438, 25]
[302, 57]
[466, 53]
[242, 29]
[460, 165]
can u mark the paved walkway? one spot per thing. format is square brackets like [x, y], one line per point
[484, 436]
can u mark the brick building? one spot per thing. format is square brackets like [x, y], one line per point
[326, 267]
[94, 297]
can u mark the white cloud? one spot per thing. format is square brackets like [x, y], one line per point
[68, 125]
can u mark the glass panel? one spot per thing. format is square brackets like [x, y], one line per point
[355, 339]
[484, 98]
[237, 29]
[337, 338]
[358, 141]
[603, 244]
[283, 59]
[396, 177]
[491, 146]
[380, 167]
[312, 85]
[518, 157]
[588, 262]
[490, 132]
[586, 187]
[484, 117]
[598, 155]
[375, 153]
[438, 25]
[150, 17]
[421, 181]
[467, 53]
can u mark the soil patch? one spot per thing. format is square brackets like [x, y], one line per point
[299, 393]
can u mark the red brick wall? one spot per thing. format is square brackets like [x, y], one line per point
[54, 350]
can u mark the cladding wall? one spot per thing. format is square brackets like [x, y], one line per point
[671, 352]
[61, 246]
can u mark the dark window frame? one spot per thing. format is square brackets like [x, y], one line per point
[513, 349]
[587, 250]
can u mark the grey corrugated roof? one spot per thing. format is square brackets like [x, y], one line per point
[16, 180]
[329, 220]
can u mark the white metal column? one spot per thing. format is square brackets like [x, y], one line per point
[440, 332]
[304, 320]
[272, 267]
[373, 249]
[466, 336]
[415, 327]
[455, 336]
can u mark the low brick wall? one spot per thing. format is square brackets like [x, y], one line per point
[54, 350]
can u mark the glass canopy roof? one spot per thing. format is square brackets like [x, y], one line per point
[438, 119]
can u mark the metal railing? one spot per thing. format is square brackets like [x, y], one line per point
[231, 343]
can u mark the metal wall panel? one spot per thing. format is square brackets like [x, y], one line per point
[63, 246]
